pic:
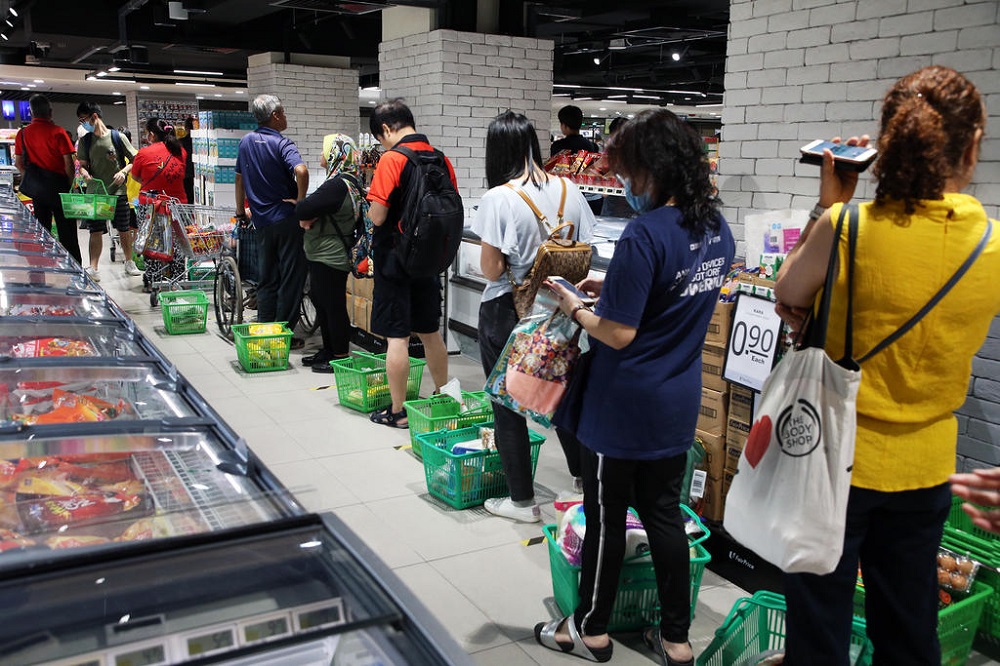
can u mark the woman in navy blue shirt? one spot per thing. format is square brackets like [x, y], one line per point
[640, 404]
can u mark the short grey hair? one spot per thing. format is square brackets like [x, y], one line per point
[40, 106]
[263, 106]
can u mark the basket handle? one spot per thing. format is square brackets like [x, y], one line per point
[78, 184]
[744, 605]
[694, 516]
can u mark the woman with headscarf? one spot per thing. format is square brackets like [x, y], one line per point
[328, 215]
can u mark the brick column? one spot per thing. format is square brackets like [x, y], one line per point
[320, 97]
[799, 70]
[456, 82]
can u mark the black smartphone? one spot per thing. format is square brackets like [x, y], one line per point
[583, 296]
[855, 158]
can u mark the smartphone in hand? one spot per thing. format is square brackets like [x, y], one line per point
[583, 296]
[854, 158]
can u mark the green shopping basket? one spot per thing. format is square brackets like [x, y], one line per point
[80, 206]
[442, 412]
[362, 383]
[637, 604]
[184, 311]
[260, 351]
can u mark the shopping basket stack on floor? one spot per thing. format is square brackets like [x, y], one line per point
[442, 412]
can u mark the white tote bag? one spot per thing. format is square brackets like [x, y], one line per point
[788, 500]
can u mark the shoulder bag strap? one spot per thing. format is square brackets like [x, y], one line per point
[966, 265]
[562, 206]
[816, 335]
[539, 218]
[159, 171]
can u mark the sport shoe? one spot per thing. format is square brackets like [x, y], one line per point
[93, 274]
[130, 269]
[504, 507]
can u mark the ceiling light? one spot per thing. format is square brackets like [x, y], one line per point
[199, 97]
[91, 78]
[371, 89]
[195, 71]
[143, 87]
[597, 61]
[675, 56]
[195, 85]
[617, 96]
[31, 85]
[616, 45]
[218, 94]
[646, 96]
[39, 81]
[602, 109]
[116, 93]
[25, 88]
[7, 21]
[114, 68]
[102, 73]
[5, 37]
[241, 92]
[13, 11]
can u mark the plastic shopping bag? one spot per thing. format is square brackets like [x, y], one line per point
[159, 244]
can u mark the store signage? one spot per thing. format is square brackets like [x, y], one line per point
[753, 342]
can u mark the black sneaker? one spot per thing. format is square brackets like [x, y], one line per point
[324, 367]
[320, 357]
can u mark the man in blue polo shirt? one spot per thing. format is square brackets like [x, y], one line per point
[271, 175]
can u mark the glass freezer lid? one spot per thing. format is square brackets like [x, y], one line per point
[19, 303]
[100, 491]
[35, 246]
[41, 278]
[80, 395]
[50, 262]
[52, 340]
[282, 585]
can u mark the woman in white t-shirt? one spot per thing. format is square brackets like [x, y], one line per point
[510, 237]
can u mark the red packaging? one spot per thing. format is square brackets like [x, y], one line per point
[51, 513]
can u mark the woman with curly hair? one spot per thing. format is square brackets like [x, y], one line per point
[931, 128]
[640, 404]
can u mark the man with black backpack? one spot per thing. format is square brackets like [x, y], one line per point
[106, 156]
[417, 214]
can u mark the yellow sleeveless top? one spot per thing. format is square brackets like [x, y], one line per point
[907, 432]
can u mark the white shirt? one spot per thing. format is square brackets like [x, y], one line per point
[505, 222]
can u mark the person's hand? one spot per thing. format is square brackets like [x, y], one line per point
[85, 175]
[794, 317]
[591, 286]
[837, 185]
[291, 201]
[567, 299]
[119, 178]
[307, 224]
[981, 486]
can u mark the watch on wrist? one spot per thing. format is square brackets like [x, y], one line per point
[576, 309]
[817, 212]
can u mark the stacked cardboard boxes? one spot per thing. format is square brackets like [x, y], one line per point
[712, 417]
[359, 302]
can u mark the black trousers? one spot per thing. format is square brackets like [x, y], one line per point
[895, 537]
[45, 211]
[282, 264]
[329, 295]
[653, 487]
[497, 319]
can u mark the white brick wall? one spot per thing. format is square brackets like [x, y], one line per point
[483, 75]
[799, 70]
[318, 101]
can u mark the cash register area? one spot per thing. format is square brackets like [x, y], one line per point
[486, 579]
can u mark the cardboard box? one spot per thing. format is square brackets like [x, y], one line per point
[727, 480]
[715, 452]
[364, 287]
[362, 315]
[712, 360]
[350, 284]
[732, 459]
[736, 432]
[719, 325]
[713, 502]
[741, 403]
[712, 413]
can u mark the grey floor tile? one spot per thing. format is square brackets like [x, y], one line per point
[389, 545]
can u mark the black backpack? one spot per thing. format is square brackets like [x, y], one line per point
[433, 217]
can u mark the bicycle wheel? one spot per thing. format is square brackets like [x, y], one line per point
[308, 321]
[228, 296]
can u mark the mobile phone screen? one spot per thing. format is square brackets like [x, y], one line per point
[841, 150]
[566, 283]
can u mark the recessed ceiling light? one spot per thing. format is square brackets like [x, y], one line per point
[675, 56]
[12, 11]
[116, 93]
[195, 85]
[199, 97]
[218, 94]
[143, 87]
[39, 81]
[114, 69]
[195, 71]
[602, 109]
[25, 88]
[31, 85]
[91, 78]
[241, 92]
[102, 73]
[7, 21]
[5, 37]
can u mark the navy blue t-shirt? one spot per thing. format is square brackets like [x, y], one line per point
[266, 160]
[642, 402]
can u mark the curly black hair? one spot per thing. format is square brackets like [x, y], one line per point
[929, 119]
[663, 155]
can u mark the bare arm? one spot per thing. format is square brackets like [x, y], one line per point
[19, 163]
[241, 196]
[302, 180]
[378, 213]
[68, 166]
[492, 262]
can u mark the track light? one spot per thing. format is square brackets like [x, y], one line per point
[13, 11]
[597, 61]
[675, 56]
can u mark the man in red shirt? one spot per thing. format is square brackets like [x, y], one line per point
[401, 305]
[46, 149]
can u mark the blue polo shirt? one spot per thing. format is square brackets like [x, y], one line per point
[266, 161]
[641, 402]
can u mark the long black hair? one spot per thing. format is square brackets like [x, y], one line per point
[511, 144]
[164, 131]
[663, 155]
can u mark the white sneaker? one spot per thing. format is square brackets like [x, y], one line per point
[130, 269]
[93, 274]
[504, 507]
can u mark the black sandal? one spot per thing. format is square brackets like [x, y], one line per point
[388, 418]
[651, 637]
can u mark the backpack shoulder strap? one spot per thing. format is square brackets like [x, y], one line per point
[84, 147]
[116, 140]
[539, 215]
[562, 202]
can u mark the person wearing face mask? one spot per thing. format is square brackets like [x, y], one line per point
[640, 403]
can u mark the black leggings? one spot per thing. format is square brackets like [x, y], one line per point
[653, 487]
[328, 290]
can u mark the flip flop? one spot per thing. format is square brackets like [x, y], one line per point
[388, 418]
[651, 637]
[545, 634]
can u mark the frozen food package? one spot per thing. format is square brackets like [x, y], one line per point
[40, 347]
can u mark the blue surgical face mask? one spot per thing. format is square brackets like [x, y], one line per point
[88, 126]
[640, 203]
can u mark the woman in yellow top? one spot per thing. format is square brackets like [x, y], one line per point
[911, 240]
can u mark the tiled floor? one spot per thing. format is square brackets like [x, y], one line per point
[472, 570]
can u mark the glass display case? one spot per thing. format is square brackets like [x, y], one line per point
[55, 340]
[33, 246]
[49, 262]
[59, 306]
[43, 279]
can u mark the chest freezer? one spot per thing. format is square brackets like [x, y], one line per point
[53, 340]
[48, 262]
[56, 305]
[41, 278]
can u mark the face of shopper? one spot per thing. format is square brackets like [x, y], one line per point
[278, 120]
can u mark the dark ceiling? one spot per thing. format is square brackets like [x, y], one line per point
[624, 49]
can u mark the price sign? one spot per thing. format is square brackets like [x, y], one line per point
[753, 342]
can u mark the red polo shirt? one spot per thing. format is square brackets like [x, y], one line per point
[46, 143]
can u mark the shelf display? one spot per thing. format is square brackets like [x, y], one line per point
[136, 527]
